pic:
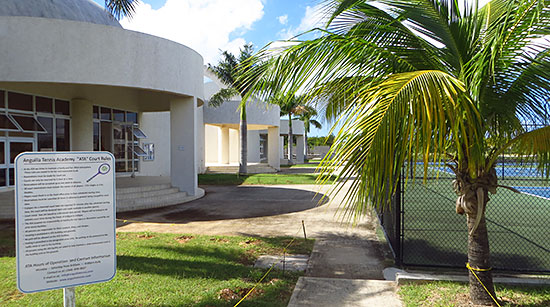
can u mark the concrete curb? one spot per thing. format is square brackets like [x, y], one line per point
[407, 278]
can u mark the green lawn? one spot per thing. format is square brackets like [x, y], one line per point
[433, 234]
[171, 270]
[257, 179]
[450, 294]
[303, 165]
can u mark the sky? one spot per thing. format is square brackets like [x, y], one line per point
[212, 26]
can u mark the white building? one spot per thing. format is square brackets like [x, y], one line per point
[72, 79]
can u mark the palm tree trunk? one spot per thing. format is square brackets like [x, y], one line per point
[479, 258]
[307, 146]
[243, 141]
[290, 141]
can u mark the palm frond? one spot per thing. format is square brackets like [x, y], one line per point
[404, 116]
[223, 95]
[120, 8]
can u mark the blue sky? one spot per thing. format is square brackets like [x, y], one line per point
[209, 26]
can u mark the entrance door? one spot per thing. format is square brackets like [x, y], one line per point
[13, 147]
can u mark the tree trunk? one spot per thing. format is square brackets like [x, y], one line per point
[473, 193]
[243, 141]
[290, 141]
[306, 150]
[479, 258]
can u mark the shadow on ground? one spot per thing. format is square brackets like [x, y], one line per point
[232, 202]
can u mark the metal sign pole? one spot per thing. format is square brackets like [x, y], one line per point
[69, 298]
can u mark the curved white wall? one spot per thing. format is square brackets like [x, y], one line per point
[56, 53]
[259, 115]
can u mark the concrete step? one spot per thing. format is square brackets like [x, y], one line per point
[146, 188]
[149, 193]
[151, 202]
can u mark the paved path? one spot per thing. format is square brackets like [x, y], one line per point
[345, 268]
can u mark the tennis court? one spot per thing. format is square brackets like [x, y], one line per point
[434, 235]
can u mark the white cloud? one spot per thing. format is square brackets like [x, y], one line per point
[313, 18]
[283, 19]
[204, 26]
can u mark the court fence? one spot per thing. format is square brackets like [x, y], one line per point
[423, 229]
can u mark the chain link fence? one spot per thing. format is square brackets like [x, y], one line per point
[423, 229]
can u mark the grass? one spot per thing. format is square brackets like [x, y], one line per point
[172, 270]
[433, 234]
[257, 179]
[451, 294]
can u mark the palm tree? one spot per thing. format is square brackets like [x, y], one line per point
[119, 8]
[290, 105]
[430, 80]
[307, 115]
[228, 72]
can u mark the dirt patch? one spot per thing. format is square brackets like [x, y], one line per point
[184, 239]
[219, 240]
[247, 258]
[250, 243]
[237, 294]
[145, 236]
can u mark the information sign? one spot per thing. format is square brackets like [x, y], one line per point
[65, 219]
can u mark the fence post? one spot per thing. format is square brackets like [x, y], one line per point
[398, 212]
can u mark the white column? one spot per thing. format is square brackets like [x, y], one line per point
[274, 148]
[282, 147]
[183, 171]
[82, 127]
[223, 145]
[299, 149]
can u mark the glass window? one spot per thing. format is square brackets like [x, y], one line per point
[2, 105]
[138, 133]
[7, 124]
[131, 117]
[2, 153]
[17, 148]
[62, 107]
[45, 140]
[12, 176]
[28, 123]
[120, 166]
[139, 152]
[106, 136]
[2, 177]
[120, 151]
[96, 112]
[44, 104]
[119, 133]
[119, 115]
[62, 135]
[19, 101]
[105, 113]
[96, 136]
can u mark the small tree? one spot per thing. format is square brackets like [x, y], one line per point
[119, 8]
[307, 116]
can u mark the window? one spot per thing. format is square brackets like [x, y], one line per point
[62, 136]
[19, 101]
[138, 133]
[105, 114]
[96, 112]
[119, 115]
[44, 105]
[45, 140]
[96, 136]
[7, 124]
[28, 123]
[62, 107]
[131, 117]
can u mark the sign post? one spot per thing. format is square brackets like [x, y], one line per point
[65, 220]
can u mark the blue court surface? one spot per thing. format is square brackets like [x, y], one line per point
[543, 192]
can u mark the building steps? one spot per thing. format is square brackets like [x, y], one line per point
[148, 197]
[232, 169]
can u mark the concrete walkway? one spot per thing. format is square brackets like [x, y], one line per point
[345, 268]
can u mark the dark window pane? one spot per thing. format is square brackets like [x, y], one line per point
[96, 136]
[119, 115]
[120, 166]
[62, 107]
[17, 148]
[2, 177]
[62, 135]
[2, 105]
[19, 101]
[45, 140]
[96, 112]
[138, 133]
[131, 117]
[106, 136]
[120, 151]
[12, 176]
[105, 113]
[119, 133]
[28, 123]
[7, 124]
[44, 104]
[139, 152]
[2, 153]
